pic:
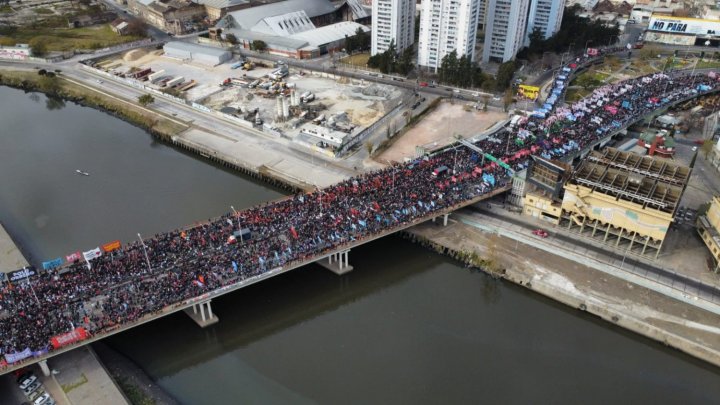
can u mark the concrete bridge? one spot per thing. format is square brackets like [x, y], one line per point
[199, 308]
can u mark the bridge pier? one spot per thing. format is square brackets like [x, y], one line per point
[445, 219]
[44, 368]
[202, 314]
[338, 263]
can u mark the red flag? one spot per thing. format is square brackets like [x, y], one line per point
[376, 206]
[293, 232]
[202, 279]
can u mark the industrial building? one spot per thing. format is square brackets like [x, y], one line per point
[708, 226]
[624, 199]
[293, 28]
[195, 53]
[446, 26]
[393, 21]
[174, 16]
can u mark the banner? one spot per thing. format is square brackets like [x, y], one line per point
[71, 337]
[109, 247]
[51, 264]
[21, 274]
[527, 91]
[17, 356]
[72, 257]
[592, 51]
[92, 254]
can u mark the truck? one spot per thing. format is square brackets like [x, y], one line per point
[175, 82]
[248, 66]
[157, 75]
[307, 97]
[142, 74]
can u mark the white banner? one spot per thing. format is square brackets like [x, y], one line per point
[92, 254]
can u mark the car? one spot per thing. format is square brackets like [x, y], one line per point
[30, 388]
[541, 233]
[631, 21]
[448, 89]
[99, 81]
[23, 375]
[456, 91]
[497, 98]
[42, 399]
[27, 381]
[35, 394]
[423, 84]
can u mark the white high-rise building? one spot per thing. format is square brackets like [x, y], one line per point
[392, 20]
[545, 15]
[447, 25]
[505, 29]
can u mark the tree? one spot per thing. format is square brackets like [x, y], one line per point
[588, 81]
[258, 45]
[486, 100]
[706, 148]
[507, 99]
[38, 47]
[505, 74]
[49, 83]
[232, 39]
[137, 27]
[146, 99]
[537, 41]
[369, 146]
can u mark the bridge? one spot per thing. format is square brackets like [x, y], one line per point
[185, 269]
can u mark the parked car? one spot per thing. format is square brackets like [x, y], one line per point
[541, 233]
[35, 394]
[42, 399]
[27, 381]
[30, 388]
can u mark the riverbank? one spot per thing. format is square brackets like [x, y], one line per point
[638, 309]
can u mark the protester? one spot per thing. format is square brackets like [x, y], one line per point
[121, 288]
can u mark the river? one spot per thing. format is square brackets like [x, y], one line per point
[406, 326]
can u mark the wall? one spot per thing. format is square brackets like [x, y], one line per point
[535, 205]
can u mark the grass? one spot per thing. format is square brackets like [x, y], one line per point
[574, 95]
[43, 10]
[5, 9]
[133, 393]
[69, 387]
[359, 59]
[708, 64]
[68, 39]
[130, 112]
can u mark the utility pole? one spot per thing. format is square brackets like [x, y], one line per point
[147, 259]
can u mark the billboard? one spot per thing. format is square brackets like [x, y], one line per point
[682, 25]
[71, 337]
[12, 52]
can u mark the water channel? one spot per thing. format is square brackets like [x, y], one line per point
[406, 326]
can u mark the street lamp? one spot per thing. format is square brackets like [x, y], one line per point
[239, 224]
[147, 259]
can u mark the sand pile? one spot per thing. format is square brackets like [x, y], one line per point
[134, 55]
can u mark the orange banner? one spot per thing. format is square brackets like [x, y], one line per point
[109, 247]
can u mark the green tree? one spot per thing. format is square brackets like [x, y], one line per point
[38, 47]
[258, 45]
[504, 76]
[507, 99]
[588, 81]
[369, 146]
[146, 99]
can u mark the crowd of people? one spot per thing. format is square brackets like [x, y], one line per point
[173, 267]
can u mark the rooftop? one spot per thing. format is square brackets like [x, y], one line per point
[651, 182]
[249, 17]
[190, 47]
[220, 4]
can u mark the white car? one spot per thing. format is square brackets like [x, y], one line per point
[27, 382]
[30, 388]
[42, 399]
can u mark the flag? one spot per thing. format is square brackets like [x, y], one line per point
[73, 257]
[111, 246]
[235, 266]
[231, 239]
[293, 232]
[201, 278]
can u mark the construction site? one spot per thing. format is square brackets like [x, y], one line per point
[316, 109]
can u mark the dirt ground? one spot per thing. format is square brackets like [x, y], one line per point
[438, 127]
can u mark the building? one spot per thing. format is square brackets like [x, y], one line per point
[543, 195]
[624, 199]
[708, 226]
[667, 29]
[546, 16]
[174, 16]
[505, 29]
[216, 9]
[482, 14]
[205, 55]
[17, 52]
[120, 26]
[446, 26]
[393, 21]
[293, 28]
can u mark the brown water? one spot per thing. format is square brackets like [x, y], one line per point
[406, 326]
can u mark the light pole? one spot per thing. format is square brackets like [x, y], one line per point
[147, 259]
[239, 224]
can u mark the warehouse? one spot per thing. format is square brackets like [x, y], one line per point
[204, 55]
